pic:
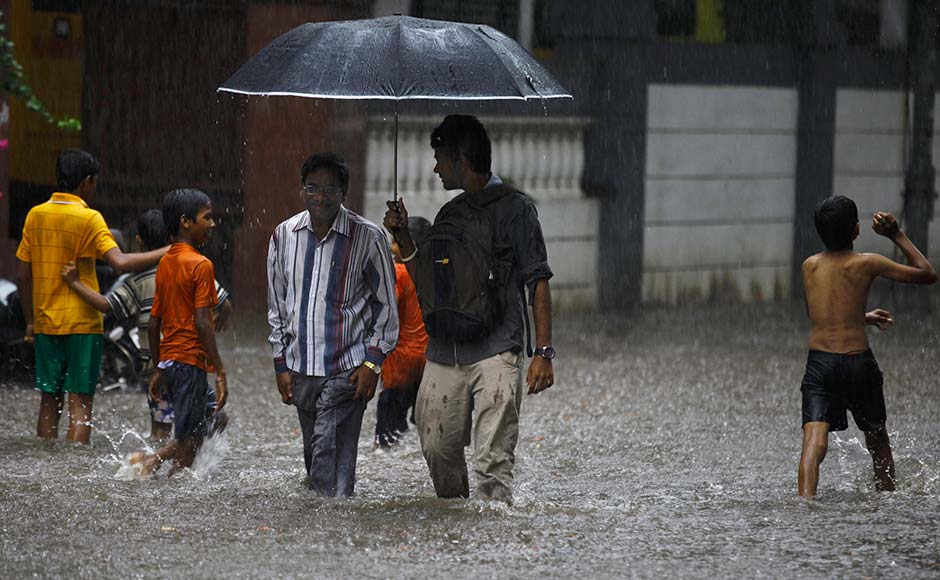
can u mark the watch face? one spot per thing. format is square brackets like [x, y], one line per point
[547, 352]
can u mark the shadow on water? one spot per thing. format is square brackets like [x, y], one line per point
[668, 447]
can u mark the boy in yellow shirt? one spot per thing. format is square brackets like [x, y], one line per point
[67, 331]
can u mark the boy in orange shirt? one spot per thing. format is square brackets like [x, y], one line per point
[65, 330]
[132, 299]
[182, 314]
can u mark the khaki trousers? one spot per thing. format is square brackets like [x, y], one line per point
[483, 400]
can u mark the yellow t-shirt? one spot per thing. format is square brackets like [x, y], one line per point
[62, 229]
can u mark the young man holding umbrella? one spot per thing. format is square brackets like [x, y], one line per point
[472, 271]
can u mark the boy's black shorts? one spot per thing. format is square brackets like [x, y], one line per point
[836, 382]
[189, 390]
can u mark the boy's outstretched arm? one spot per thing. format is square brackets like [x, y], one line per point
[122, 262]
[206, 330]
[918, 270]
[69, 273]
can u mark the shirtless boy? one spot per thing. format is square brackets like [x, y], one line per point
[841, 371]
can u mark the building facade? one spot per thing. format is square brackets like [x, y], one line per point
[702, 134]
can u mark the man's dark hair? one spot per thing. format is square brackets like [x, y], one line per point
[836, 218]
[464, 135]
[182, 202]
[418, 228]
[151, 229]
[72, 166]
[327, 160]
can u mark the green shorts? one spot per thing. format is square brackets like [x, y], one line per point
[68, 362]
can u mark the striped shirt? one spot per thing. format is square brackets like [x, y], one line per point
[331, 305]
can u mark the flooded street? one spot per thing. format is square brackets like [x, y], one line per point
[667, 448]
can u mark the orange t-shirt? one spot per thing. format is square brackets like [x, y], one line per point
[62, 229]
[411, 334]
[185, 281]
[405, 365]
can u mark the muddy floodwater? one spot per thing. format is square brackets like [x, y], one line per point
[667, 449]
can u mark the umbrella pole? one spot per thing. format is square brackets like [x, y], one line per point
[395, 184]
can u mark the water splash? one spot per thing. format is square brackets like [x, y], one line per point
[212, 453]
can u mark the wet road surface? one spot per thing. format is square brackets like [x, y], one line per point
[667, 448]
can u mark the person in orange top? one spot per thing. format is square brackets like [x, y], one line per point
[181, 330]
[65, 330]
[404, 367]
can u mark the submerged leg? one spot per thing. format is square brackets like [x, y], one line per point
[383, 430]
[80, 418]
[815, 445]
[400, 410]
[336, 438]
[444, 415]
[50, 409]
[160, 431]
[879, 446]
[186, 450]
[497, 402]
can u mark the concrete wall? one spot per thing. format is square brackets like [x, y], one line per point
[870, 159]
[720, 166]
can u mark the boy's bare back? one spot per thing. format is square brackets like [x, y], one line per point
[836, 286]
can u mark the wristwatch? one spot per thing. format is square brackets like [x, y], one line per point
[546, 352]
[377, 369]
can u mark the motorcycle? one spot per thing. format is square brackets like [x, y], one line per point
[121, 364]
[16, 355]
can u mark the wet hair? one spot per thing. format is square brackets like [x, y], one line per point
[836, 218]
[73, 166]
[418, 227]
[327, 160]
[464, 135]
[182, 202]
[151, 229]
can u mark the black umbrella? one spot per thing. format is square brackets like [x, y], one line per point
[395, 58]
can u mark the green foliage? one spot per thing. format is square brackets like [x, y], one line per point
[16, 85]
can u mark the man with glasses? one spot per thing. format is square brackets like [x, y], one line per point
[333, 318]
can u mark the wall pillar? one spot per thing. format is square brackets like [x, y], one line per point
[816, 126]
[919, 178]
[603, 60]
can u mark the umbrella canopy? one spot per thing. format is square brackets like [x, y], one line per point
[395, 57]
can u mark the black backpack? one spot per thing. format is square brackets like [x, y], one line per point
[463, 269]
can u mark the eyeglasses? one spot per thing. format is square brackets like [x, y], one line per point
[330, 190]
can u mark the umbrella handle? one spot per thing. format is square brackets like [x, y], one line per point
[395, 173]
